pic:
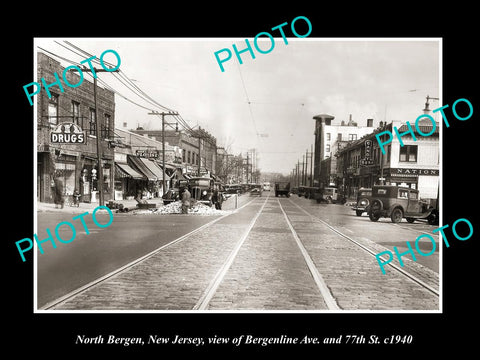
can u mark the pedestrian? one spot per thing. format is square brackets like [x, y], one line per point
[58, 193]
[186, 197]
[217, 199]
[76, 198]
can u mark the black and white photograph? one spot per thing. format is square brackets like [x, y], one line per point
[269, 189]
[238, 193]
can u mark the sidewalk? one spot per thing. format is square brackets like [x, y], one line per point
[228, 204]
[83, 207]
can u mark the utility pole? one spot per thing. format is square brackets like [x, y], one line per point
[163, 142]
[303, 169]
[247, 166]
[298, 173]
[101, 201]
[311, 165]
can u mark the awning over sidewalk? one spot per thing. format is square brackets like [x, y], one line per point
[142, 168]
[156, 170]
[128, 171]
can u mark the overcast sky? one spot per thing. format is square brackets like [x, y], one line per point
[383, 79]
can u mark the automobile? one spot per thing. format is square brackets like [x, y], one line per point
[310, 191]
[282, 188]
[172, 195]
[364, 197]
[201, 189]
[398, 202]
[256, 190]
[301, 191]
[328, 195]
[266, 186]
[231, 189]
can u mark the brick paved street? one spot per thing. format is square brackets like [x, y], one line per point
[268, 272]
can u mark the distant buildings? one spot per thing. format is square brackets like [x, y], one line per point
[328, 140]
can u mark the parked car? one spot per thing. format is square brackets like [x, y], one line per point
[256, 190]
[266, 186]
[328, 195]
[398, 202]
[282, 188]
[364, 197]
[301, 191]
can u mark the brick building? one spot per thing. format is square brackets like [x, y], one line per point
[415, 165]
[329, 138]
[74, 164]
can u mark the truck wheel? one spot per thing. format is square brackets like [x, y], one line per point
[411, 220]
[432, 219]
[397, 215]
[374, 216]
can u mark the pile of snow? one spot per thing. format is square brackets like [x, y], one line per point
[176, 208]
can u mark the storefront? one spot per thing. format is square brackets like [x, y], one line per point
[425, 180]
[151, 185]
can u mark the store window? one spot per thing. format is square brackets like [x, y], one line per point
[65, 171]
[408, 153]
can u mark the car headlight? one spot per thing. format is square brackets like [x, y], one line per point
[363, 202]
[204, 192]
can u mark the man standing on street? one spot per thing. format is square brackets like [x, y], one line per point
[185, 201]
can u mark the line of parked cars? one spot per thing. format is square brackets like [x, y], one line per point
[389, 201]
[327, 194]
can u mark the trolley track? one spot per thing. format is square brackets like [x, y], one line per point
[317, 285]
[65, 298]
[370, 251]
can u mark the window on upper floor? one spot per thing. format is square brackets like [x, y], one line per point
[53, 109]
[408, 153]
[92, 122]
[75, 110]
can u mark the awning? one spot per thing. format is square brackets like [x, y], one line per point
[141, 167]
[156, 170]
[128, 171]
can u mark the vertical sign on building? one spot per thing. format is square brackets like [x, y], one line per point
[367, 160]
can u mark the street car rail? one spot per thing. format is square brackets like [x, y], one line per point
[369, 251]
[101, 279]
[322, 286]
[208, 294]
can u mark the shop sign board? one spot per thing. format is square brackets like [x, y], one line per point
[149, 154]
[67, 133]
[414, 172]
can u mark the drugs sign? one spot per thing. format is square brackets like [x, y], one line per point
[67, 133]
